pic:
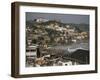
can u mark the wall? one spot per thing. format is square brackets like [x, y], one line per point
[5, 40]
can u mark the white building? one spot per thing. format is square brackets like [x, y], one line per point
[41, 20]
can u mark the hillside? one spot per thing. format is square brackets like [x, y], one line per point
[52, 32]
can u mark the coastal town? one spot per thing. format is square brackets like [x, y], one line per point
[53, 43]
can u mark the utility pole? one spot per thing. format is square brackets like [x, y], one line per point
[38, 52]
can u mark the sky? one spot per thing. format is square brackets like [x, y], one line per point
[64, 18]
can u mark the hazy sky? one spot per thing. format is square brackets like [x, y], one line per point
[65, 18]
